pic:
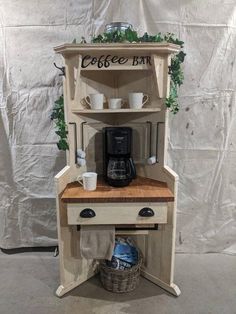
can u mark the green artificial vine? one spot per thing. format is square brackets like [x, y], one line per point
[61, 128]
[175, 69]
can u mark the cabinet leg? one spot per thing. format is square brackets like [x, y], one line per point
[64, 288]
[61, 290]
[172, 288]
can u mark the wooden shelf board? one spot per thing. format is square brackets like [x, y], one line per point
[116, 110]
[140, 190]
[117, 47]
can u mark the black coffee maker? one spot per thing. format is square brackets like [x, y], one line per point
[118, 165]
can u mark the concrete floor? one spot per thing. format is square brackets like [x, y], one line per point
[28, 282]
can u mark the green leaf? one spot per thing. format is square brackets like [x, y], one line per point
[61, 128]
[130, 35]
[62, 144]
[181, 55]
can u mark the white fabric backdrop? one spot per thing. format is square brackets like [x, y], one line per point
[202, 139]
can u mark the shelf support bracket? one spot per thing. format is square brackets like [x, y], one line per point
[158, 71]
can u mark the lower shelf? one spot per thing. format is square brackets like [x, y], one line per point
[132, 232]
[127, 228]
[128, 110]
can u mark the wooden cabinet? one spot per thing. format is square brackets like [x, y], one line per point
[115, 70]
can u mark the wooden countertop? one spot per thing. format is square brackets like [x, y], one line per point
[140, 190]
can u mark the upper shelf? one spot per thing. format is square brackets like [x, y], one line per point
[124, 48]
[117, 56]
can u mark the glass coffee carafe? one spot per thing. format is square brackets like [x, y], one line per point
[119, 169]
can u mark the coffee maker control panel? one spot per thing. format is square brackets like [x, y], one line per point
[119, 141]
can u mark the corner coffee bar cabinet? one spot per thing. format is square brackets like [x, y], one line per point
[146, 208]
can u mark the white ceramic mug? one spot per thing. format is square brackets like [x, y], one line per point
[95, 101]
[115, 103]
[137, 100]
[88, 180]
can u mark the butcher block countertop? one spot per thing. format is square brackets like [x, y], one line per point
[139, 190]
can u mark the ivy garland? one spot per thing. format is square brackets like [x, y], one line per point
[61, 128]
[175, 69]
[130, 36]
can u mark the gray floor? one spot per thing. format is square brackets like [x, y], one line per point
[28, 282]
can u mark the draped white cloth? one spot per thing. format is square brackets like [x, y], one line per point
[202, 135]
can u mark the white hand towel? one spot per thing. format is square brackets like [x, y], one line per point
[97, 242]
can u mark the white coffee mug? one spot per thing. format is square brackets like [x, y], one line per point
[95, 101]
[88, 180]
[115, 103]
[137, 100]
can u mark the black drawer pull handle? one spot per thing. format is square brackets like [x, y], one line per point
[87, 213]
[146, 212]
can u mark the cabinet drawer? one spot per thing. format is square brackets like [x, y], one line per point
[116, 213]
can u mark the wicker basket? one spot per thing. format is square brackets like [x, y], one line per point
[120, 281]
